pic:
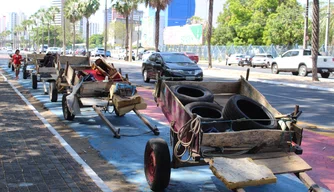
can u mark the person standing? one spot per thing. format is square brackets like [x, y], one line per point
[17, 58]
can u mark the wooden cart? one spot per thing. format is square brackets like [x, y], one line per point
[100, 95]
[238, 158]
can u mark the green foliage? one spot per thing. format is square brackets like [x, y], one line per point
[96, 40]
[245, 22]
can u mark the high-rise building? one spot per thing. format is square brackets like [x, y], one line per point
[3, 23]
[58, 17]
[148, 29]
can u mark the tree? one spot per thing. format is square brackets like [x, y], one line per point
[209, 33]
[286, 27]
[116, 30]
[73, 15]
[52, 11]
[88, 8]
[315, 39]
[96, 40]
[158, 5]
[41, 14]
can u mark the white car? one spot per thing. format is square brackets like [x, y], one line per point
[122, 55]
[235, 59]
[54, 50]
[147, 54]
[97, 52]
[262, 60]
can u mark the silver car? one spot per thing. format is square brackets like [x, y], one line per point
[262, 60]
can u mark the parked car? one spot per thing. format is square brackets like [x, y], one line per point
[299, 62]
[81, 51]
[262, 60]
[235, 59]
[169, 64]
[54, 50]
[146, 54]
[97, 52]
[246, 61]
[194, 57]
[108, 54]
[42, 49]
[123, 55]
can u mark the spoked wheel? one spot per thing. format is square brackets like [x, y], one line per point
[157, 164]
[66, 112]
[53, 92]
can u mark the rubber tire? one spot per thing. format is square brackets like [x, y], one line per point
[197, 93]
[145, 77]
[24, 72]
[208, 112]
[242, 107]
[325, 75]
[274, 69]
[302, 69]
[253, 66]
[158, 175]
[53, 92]
[66, 113]
[9, 64]
[34, 81]
[13, 69]
[295, 73]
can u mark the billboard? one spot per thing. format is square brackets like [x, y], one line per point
[183, 35]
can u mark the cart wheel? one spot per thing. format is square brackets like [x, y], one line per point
[53, 92]
[9, 64]
[66, 112]
[13, 68]
[24, 71]
[34, 81]
[157, 164]
[117, 113]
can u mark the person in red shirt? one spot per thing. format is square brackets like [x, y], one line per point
[17, 58]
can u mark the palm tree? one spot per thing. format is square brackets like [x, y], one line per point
[125, 7]
[73, 15]
[27, 24]
[88, 8]
[158, 5]
[315, 39]
[52, 11]
[41, 14]
[209, 32]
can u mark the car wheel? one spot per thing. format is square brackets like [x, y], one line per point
[254, 66]
[324, 75]
[256, 115]
[274, 69]
[302, 70]
[295, 73]
[145, 76]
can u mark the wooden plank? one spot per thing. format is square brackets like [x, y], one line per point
[47, 70]
[288, 164]
[309, 182]
[107, 122]
[73, 60]
[243, 172]
[120, 102]
[215, 87]
[248, 90]
[245, 138]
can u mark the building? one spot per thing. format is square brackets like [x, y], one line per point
[58, 17]
[179, 11]
[3, 23]
[148, 27]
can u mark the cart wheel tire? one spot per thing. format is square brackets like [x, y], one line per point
[190, 93]
[295, 73]
[145, 76]
[34, 81]
[242, 107]
[13, 68]
[208, 112]
[53, 92]
[157, 164]
[66, 112]
[9, 64]
[24, 71]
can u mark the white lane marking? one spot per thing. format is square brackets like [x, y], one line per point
[277, 96]
[90, 172]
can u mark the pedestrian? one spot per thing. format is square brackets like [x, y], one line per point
[17, 58]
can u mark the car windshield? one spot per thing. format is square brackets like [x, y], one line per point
[101, 49]
[176, 58]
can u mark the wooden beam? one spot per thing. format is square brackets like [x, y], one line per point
[310, 184]
[107, 122]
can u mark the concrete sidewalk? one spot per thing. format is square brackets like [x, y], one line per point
[31, 157]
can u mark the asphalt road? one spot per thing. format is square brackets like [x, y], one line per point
[127, 153]
[317, 106]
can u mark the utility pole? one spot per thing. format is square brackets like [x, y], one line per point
[105, 28]
[305, 26]
[327, 27]
[63, 22]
